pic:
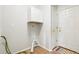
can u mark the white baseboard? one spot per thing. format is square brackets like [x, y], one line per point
[22, 50]
[70, 48]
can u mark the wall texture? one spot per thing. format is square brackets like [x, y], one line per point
[0, 18]
[14, 26]
[54, 23]
[69, 24]
[2, 47]
[45, 35]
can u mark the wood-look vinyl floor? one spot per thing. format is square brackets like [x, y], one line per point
[40, 50]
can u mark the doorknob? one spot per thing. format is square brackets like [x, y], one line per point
[59, 29]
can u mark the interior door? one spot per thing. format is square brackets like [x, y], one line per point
[69, 28]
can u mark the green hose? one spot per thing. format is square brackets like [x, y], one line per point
[6, 45]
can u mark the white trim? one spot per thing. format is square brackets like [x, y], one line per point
[65, 46]
[35, 21]
[22, 50]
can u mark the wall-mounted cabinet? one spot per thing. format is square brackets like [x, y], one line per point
[35, 14]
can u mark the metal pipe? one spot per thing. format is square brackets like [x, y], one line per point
[6, 45]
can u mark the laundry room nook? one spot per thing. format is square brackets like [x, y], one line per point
[39, 29]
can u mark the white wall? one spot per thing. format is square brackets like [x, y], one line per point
[2, 47]
[14, 26]
[69, 24]
[45, 34]
[0, 18]
[54, 25]
[43, 14]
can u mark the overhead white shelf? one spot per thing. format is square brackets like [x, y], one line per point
[35, 21]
